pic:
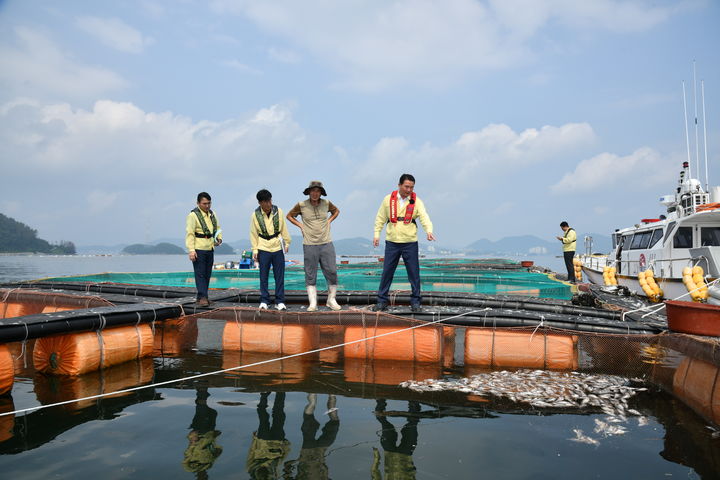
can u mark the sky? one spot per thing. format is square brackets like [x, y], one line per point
[513, 115]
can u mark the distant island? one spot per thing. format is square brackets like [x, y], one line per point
[19, 238]
[521, 245]
[166, 248]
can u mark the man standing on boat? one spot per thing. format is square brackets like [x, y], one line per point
[569, 241]
[399, 211]
[268, 230]
[202, 235]
[317, 245]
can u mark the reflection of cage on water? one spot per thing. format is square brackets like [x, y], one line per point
[383, 349]
[59, 388]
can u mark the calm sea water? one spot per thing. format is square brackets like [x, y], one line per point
[279, 420]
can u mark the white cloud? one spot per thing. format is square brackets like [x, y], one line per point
[121, 140]
[124, 166]
[114, 33]
[476, 157]
[240, 67]
[376, 44]
[644, 167]
[36, 65]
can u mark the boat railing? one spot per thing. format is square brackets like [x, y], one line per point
[598, 262]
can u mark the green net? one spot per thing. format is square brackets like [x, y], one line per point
[487, 276]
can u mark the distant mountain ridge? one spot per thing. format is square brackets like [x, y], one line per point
[513, 245]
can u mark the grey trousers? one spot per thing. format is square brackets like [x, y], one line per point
[324, 255]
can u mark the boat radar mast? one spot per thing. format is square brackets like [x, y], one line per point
[688, 195]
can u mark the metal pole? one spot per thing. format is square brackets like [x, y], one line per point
[687, 134]
[707, 178]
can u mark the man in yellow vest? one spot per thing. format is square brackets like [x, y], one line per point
[569, 241]
[398, 456]
[267, 229]
[399, 211]
[202, 235]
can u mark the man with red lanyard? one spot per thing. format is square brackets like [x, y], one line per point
[399, 211]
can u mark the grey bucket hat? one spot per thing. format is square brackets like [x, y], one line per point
[315, 184]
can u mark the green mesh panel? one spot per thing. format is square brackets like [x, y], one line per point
[488, 276]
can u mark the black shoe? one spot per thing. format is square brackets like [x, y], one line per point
[416, 307]
[380, 307]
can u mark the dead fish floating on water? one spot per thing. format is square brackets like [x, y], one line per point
[545, 389]
[582, 438]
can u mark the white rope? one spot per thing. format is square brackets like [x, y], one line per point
[201, 375]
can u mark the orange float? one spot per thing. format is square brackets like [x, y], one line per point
[7, 370]
[77, 353]
[522, 349]
[696, 383]
[423, 344]
[174, 336]
[270, 337]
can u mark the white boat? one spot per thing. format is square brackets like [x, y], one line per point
[688, 236]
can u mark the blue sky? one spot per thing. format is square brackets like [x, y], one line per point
[512, 114]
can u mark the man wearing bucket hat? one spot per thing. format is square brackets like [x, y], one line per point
[317, 214]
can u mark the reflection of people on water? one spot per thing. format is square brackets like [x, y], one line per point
[311, 462]
[269, 445]
[203, 450]
[398, 457]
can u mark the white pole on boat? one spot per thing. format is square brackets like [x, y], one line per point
[697, 143]
[687, 134]
[707, 177]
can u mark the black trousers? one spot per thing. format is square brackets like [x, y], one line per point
[203, 270]
[569, 265]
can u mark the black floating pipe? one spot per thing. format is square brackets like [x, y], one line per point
[365, 298]
[133, 290]
[44, 324]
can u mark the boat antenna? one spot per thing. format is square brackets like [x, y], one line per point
[702, 93]
[697, 143]
[687, 135]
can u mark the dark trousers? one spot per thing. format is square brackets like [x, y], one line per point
[409, 254]
[276, 430]
[569, 265]
[277, 261]
[202, 266]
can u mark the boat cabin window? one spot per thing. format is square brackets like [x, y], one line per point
[625, 242]
[683, 238]
[669, 230]
[656, 235]
[640, 240]
[710, 236]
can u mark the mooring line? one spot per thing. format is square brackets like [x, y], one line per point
[207, 374]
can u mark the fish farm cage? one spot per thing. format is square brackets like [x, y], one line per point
[88, 337]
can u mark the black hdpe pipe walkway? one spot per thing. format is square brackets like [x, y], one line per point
[499, 311]
[448, 300]
[41, 325]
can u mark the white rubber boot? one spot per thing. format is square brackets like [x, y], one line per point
[332, 291]
[312, 298]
